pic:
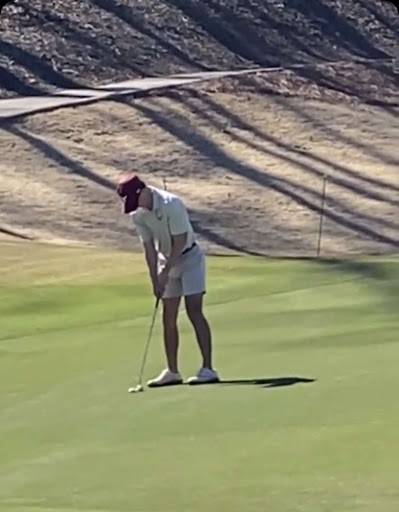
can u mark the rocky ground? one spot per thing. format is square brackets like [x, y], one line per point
[49, 44]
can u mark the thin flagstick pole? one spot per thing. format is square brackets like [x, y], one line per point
[323, 204]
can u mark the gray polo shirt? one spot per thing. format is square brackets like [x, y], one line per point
[168, 217]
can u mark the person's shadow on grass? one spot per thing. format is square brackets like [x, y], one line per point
[275, 382]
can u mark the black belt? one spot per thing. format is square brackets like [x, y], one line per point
[189, 248]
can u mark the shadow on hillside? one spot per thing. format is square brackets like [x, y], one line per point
[294, 35]
[218, 239]
[324, 34]
[10, 82]
[72, 166]
[340, 32]
[392, 110]
[133, 18]
[378, 15]
[107, 53]
[15, 234]
[347, 139]
[58, 156]
[211, 112]
[230, 26]
[348, 87]
[37, 66]
[179, 127]
[234, 34]
[347, 171]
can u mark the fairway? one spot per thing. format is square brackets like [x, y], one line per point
[307, 420]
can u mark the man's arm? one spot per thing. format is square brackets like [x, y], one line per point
[179, 224]
[151, 259]
[149, 249]
[178, 244]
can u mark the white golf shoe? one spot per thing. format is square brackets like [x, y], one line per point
[166, 378]
[205, 376]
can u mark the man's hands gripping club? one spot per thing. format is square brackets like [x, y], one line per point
[159, 286]
[160, 280]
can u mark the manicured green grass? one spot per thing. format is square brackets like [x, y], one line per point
[73, 326]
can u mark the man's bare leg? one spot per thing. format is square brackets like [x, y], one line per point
[194, 308]
[171, 332]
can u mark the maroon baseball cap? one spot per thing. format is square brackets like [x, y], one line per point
[129, 189]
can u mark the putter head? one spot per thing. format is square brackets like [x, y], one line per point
[137, 389]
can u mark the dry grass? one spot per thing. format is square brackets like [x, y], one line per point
[250, 168]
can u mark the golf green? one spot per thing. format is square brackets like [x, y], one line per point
[306, 421]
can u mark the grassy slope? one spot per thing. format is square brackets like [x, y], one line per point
[73, 327]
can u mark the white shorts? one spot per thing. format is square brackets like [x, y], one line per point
[188, 276]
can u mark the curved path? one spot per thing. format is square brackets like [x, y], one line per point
[23, 106]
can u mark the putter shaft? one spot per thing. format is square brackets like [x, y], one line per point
[148, 344]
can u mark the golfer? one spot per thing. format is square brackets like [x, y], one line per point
[176, 265]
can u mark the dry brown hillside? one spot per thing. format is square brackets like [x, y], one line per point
[249, 166]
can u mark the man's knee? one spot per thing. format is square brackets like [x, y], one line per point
[194, 307]
[170, 311]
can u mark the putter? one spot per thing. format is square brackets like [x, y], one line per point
[139, 388]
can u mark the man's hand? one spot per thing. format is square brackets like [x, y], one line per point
[158, 293]
[162, 281]
[159, 283]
